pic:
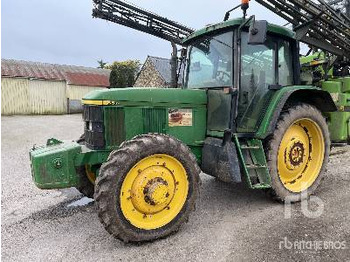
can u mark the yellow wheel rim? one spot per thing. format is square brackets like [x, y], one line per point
[90, 174]
[154, 191]
[301, 155]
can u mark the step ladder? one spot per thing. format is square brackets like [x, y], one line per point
[253, 162]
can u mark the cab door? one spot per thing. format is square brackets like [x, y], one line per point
[264, 68]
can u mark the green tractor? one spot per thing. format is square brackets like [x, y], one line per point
[242, 115]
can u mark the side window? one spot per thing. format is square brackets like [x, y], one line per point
[257, 68]
[285, 64]
[258, 71]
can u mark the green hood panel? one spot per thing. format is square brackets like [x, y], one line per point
[150, 95]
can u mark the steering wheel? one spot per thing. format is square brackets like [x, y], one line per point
[220, 75]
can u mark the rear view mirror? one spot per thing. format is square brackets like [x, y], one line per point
[257, 32]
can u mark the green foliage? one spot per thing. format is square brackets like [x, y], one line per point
[123, 73]
[101, 64]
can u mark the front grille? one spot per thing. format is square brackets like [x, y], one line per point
[114, 126]
[154, 120]
[94, 130]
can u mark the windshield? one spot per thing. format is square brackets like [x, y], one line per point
[210, 62]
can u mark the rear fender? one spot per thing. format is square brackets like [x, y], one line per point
[291, 95]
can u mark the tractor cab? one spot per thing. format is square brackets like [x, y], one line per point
[239, 73]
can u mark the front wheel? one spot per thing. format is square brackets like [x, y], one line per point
[298, 153]
[86, 175]
[147, 188]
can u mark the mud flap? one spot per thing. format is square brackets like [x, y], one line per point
[219, 159]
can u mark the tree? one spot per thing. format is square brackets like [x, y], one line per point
[123, 74]
[101, 64]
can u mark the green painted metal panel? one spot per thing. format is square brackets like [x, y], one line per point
[90, 156]
[332, 86]
[53, 165]
[344, 99]
[273, 106]
[338, 124]
[133, 122]
[114, 126]
[235, 23]
[154, 120]
[346, 85]
[192, 135]
[138, 120]
[149, 96]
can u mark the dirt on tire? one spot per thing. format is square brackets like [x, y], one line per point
[114, 171]
[278, 191]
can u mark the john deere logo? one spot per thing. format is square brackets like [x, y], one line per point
[57, 162]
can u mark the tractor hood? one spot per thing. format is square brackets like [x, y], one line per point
[132, 95]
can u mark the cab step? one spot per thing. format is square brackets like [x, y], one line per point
[249, 147]
[254, 166]
[253, 160]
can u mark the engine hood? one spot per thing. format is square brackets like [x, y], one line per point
[133, 95]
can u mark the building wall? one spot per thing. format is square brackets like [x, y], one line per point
[47, 97]
[14, 96]
[74, 95]
[75, 92]
[149, 77]
[24, 96]
[21, 96]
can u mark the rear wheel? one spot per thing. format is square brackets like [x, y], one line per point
[298, 153]
[147, 188]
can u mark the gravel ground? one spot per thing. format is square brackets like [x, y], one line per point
[231, 223]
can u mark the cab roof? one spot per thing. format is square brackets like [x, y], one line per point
[234, 23]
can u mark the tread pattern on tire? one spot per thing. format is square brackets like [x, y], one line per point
[114, 170]
[278, 191]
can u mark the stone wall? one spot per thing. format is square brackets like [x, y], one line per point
[149, 77]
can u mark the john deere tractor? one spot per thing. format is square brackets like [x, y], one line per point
[241, 115]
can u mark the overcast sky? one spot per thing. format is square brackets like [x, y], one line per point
[63, 31]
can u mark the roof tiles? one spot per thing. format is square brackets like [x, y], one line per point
[74, 75]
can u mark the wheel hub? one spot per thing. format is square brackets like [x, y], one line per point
[156, 191]
[301, 155]
[295, 154]
[152, 189]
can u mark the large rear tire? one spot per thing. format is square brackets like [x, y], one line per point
[147, 188]
[298, 153]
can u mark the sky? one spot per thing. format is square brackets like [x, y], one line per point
[64, 32]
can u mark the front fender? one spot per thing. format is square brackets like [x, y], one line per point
[289, 95]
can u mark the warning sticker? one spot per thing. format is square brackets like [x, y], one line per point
[180, 117]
